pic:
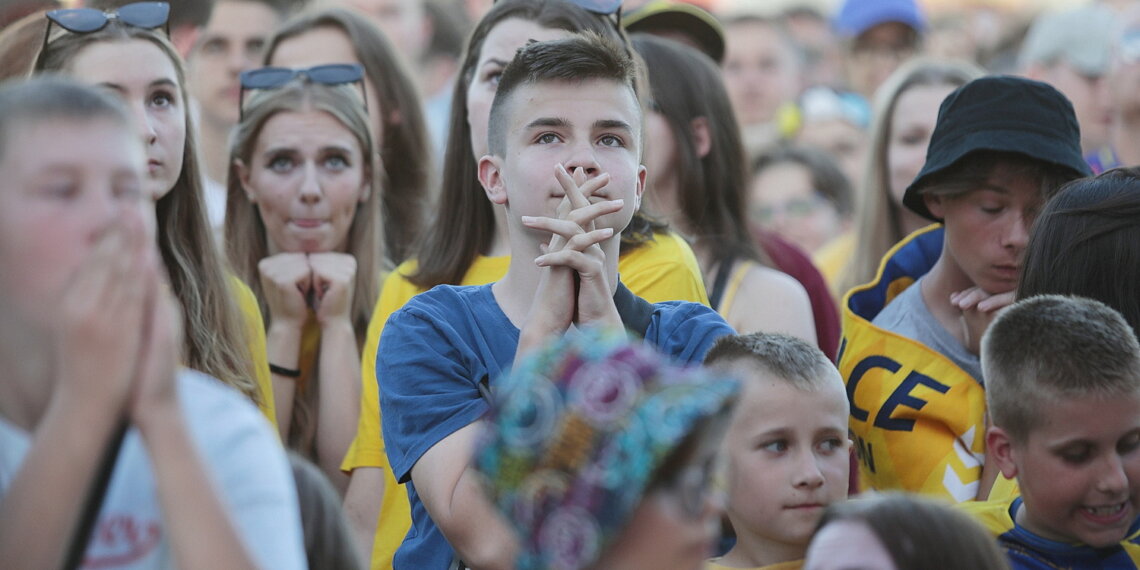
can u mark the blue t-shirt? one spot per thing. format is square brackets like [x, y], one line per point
[434, 352]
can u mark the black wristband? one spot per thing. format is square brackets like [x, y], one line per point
[290, 372]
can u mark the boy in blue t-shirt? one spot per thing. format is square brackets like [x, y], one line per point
[1063, 389]
[565, 138]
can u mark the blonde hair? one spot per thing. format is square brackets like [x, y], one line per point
[791, 360]
[215, 340]
[245, 235]
[878, 225]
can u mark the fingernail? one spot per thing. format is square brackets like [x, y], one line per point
[528, 219]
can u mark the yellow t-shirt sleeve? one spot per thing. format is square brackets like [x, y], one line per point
[664, 269]
[259, 353]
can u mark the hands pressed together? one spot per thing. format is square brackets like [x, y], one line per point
[978, 310]
[295, 283]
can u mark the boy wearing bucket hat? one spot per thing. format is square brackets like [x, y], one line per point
[1000, 148]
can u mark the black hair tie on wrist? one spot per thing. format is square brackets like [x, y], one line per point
[290, 372]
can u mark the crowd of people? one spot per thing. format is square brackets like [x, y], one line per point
[569, 284]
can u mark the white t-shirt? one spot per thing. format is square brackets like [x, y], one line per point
[248, 468]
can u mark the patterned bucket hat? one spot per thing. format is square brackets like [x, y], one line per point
[576, 433]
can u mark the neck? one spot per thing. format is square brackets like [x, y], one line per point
[944, 278]
[663, 200]
[215, 148]
[500, 243]
[753, 551]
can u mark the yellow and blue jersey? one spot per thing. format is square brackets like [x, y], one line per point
[1027, 551]
[917, 419]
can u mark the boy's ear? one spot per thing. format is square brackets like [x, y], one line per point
[702, 137]
[936, 204]
[641, 173]
[243, 178]
[1000, 446]
[491, 177]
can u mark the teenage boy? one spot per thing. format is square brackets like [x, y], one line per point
[565, 141]
[1000, 148]
[1063, 391]
[787, 448]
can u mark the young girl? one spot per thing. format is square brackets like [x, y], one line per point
[467, 244]
[89, 340]
[698, 180]
[224, 336]
[303, 229]
[800, 193]
[337, 35]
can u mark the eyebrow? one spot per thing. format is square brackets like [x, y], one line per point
[164, 82]
[547, 122]
[602, 124]
[605, 124]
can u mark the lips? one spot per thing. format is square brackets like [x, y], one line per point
[307, 223]
[1107, 514]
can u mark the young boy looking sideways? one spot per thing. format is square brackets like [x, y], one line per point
[787, 447]
[565, 141]
[1063, 377]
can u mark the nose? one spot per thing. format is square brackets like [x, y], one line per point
[1017, 235]
[144, 124]
[583, 156]
[310, 191]
[807, 474]
[1113, 479]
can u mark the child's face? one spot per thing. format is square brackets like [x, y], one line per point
[987, 228]
[66, 182]
[307, 177]
[1079, 472]
[787, 460]
[594, 125]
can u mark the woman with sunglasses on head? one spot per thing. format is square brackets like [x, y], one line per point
[111, 454]
[127, 53]
[337, 35]
[466, 242]
[303, 230]
[698, 179]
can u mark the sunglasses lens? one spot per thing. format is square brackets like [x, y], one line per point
[336, 73]
[599, 6]
[79, 20]
[146, 15]
[266, 77]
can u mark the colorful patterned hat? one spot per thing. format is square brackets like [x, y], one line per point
[575, 435]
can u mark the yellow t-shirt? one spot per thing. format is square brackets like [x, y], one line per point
[832, 259]
[791, 565]
[662, 270]
[255, 328]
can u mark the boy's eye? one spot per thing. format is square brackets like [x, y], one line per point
[547, 138]
[1130, 443]
[1075, 455]
[831, 444]
[611, 140]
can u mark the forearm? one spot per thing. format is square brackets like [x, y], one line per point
[480, 535]
[283, 344]
[40, 509]
[192, 509]
[339, 406]
[362, 503]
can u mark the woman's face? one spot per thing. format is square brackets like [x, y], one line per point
[783, 198]
[498, 50]
[912, 123]
[307, 174]
[66, 182]
[847, 544]
[322, 46]
[145, 78]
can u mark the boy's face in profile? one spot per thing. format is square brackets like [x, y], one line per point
[788, 457]
[594, 125]
[987, 228]
[1079, 471]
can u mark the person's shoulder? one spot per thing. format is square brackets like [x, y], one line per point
[685, 329]
[444, 298]
[212, 406]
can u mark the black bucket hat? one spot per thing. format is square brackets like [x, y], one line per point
[1001, 113]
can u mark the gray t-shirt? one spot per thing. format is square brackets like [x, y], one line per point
[908, 315]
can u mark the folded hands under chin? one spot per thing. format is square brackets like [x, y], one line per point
[295, 284]
[978, 309]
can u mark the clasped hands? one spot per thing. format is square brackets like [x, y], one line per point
[296, 283]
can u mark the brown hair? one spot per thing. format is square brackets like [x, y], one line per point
[19, 45]
[405, 151]
[878, 225]
[1049, 347]
[788, 358]
[246, 240]
[216, 339]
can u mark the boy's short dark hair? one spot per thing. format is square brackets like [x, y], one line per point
[581, 57]
[1050, 347]
[41, 99]
[793, 360]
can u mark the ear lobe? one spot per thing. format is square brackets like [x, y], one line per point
[243, 178]
[641, 174]
[935, 204]
[491, 177]
[702, 136]
[1000, 446]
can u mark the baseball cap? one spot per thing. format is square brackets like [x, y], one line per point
[857, 16]
[1005, 114]
[577, 431]
[1079, 37]
[679, 18]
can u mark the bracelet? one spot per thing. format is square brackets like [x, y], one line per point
[290, 372]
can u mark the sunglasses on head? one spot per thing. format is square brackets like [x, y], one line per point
[143, 15]
[277, 77]
[601, 7]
